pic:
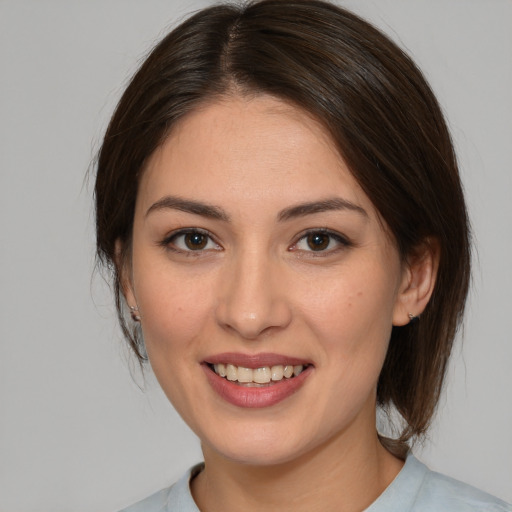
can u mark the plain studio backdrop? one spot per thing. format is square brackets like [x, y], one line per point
[76, 432]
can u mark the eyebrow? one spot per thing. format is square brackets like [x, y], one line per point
[189, 206]
[335, 203]
[292, 212]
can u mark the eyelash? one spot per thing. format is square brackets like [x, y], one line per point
[169, 242]
[342, 242]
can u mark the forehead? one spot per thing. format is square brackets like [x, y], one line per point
[249, 150]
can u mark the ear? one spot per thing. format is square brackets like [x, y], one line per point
[124, 271]
[418, 281]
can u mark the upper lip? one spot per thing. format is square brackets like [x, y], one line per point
[255, 360]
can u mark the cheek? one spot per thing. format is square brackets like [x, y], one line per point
[173, 309]
[174, 317]
[352, 313]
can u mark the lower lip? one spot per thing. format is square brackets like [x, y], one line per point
[255, 397]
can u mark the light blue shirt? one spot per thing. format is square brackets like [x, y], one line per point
[415, 489]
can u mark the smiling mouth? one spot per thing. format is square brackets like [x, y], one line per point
[257, 377]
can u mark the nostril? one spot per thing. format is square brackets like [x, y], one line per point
[251, 320]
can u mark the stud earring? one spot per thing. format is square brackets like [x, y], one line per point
[413, 318]
[134, 312]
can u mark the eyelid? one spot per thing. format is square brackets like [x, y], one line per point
[168, 239]
[342, 241]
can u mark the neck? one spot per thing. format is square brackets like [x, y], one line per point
[342, 475]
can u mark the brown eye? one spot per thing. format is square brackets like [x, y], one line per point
[191, 240]
[318, 241]
[321, 241]
[195, 241]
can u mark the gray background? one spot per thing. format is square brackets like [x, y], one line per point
[76, 432]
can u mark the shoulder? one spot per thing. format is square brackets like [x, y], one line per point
[418, 489]
[177, 497]
[157, 502]
[440, 492]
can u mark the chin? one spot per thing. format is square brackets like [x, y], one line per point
[261, 446]
[256, 454]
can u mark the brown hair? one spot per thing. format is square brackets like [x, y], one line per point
[380, 112]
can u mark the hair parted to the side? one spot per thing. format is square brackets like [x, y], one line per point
[381, 114]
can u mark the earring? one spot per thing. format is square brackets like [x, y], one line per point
[413, 318]
[134, 310]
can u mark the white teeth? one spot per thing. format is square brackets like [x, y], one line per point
[277, 372]
[262, 375]
[221, 369]
[244, 374]
[231, 372]
[288, 371]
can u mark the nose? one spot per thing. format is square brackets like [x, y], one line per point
[252, 299]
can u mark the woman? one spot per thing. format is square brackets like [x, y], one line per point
[279, 201]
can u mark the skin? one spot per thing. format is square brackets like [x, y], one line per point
[258, 286]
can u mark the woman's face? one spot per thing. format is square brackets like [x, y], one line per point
[255, 250]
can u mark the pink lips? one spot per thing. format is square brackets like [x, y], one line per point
[254, 361]
[255, 397]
